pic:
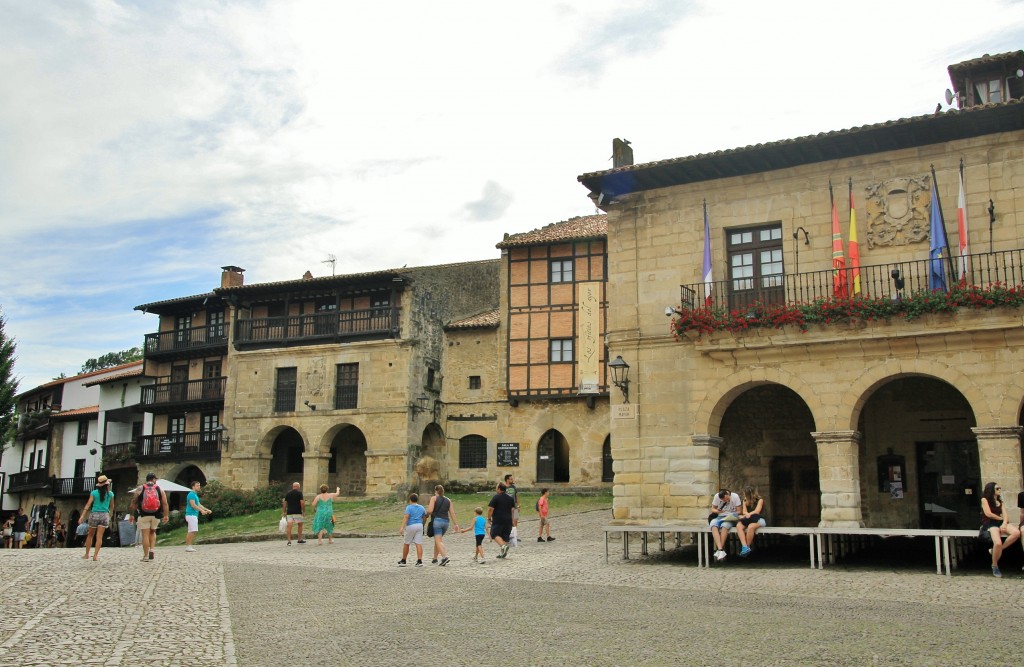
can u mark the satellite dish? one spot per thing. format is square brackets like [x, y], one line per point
[949, 96]
[1020, 74]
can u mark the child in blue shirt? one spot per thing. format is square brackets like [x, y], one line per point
[412, 529]
[479, 529]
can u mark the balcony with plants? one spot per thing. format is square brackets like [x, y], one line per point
[830, 301]
[119, 455]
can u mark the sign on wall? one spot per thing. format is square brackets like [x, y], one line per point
[508, 454]
[588, 334]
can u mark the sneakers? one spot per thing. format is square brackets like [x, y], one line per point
[189, 549]
[504, 550]
[540, 539]
[996, 572]
[301, 542]
[444, 561]
[720, 555]
[152, 554]
[744, 552]
[551, 539]
[419, 563]
[433, 561]
[401, 563]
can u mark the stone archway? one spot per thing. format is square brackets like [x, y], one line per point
[347, 465]
[286, 462]
[553, 457]
[185, 477]
[432, 467]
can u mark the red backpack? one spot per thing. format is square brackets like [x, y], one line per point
[150, 499]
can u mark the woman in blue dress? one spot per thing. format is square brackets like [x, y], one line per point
[323, 516]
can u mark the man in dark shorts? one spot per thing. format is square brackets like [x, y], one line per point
[499, 515]
[293, 508]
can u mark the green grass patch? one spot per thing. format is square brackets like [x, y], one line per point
[371, 517]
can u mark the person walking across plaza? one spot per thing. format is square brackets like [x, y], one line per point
[996, 520]
[293, 508]
[8, 532]
[98, 507]
[513, 493]
[499, 515]
[323, 514]
[151, 502]
[542, 511]
[479, 529]
[19, 526]
[412, 530]
[193, 508]
[724, 508]
[442, 515]
[750, 519]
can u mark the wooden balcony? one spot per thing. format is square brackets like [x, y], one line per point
[185, 343]
[70, 487]
[193, 394]
[119, 455]
[333, 326]
[179, 447]
[878, 281]
[29, 480]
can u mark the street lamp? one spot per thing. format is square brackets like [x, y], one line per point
[620, 376]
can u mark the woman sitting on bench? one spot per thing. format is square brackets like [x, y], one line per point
[750, 519]
[996, 521]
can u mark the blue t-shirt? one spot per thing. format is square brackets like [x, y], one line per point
[189, 510]
[415, 513]
[479, 526]
[101, 505]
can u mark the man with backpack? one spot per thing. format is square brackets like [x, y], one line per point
[151, 501]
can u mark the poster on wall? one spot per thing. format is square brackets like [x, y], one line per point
[508, 454]
[588, 332]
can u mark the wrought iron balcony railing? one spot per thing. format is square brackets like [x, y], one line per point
[179, 446]
[191, 391]
[326, 326]
[183, 340]
[72, 486]
[28, 480]
[888, 281]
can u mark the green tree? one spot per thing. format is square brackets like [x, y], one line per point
[8, 387]
[112, 359]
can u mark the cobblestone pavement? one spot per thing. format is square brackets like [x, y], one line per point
[557, 603]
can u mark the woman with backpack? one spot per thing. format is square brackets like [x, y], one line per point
[442, 514]
[98, 509]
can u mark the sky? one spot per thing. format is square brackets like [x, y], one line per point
[143, 145]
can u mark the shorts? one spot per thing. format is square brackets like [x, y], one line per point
[440, 527]
[544, 521]
[718, 523]
[99, 519]
[192, 521]
[414, 533]
[479, 539]
[148, 522]
[296, 518]
[18, 537]
[503, 531]
[7, 532]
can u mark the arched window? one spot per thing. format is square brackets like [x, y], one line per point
[473, 451]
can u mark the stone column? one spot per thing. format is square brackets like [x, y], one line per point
[692, 476]
[999, 457]
[314, 472]
[245, 470]
[839, 477]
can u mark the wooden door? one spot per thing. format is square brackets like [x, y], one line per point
[795, 492]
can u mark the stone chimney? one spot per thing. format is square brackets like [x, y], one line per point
[622, 154]
[308, 275]
[232, 276]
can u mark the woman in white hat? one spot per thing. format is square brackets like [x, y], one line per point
[99, 503]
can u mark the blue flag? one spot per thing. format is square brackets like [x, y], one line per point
[938, 250]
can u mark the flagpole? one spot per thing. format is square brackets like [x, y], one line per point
[945, 232]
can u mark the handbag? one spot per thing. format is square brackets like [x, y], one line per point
[430, 527]
[984, 535]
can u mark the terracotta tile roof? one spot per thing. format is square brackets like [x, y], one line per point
[485, 320]
[120, 376]
[573, 229]
[82, 376]
[1008, 57]
[181, 300]
[77, 412]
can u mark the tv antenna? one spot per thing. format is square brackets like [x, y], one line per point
[332, 260]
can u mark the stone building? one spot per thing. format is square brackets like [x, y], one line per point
[527, 389]
[338, 379]
[864, 419]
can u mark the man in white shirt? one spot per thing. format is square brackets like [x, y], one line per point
[724, 509]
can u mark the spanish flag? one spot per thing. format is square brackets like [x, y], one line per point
[839, 286]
